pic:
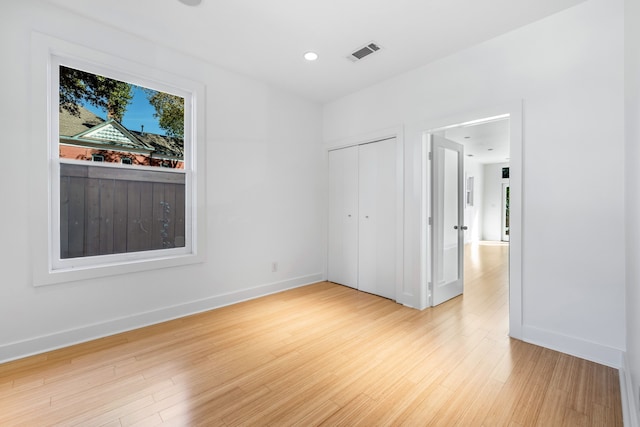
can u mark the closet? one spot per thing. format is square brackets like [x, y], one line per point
[362, 217]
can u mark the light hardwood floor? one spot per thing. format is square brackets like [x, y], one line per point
[323, 354]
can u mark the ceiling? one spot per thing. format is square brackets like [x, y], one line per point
[266, 39]
[486, 142]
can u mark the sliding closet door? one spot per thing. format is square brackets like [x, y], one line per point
[377, 212]
[343, 217]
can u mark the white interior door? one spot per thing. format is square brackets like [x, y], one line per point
[377, 223]
[342, 256]
[447, 213]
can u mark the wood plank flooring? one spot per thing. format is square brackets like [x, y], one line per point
[325, 355]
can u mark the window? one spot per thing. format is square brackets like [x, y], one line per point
[103, 209]
[102, 202]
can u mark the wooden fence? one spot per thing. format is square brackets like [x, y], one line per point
[116, 210]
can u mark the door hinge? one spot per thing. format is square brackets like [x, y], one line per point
[429, 220]
[429, 155]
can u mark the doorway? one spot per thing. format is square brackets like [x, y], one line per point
[484, 195]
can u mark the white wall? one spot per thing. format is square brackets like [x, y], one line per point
[265, 194]
[568, 70]
[492, 207]
[632, 127]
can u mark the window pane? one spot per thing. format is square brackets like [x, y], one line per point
[110, 210]
[99, 116]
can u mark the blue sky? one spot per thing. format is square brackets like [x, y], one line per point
[139, 112]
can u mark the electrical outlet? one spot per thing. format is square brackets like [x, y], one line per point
[274, 267]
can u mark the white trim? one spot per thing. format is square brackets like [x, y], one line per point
[47, 53]
[574, 346]
[41, 344]
[424, 285]
[365, 138]
[56, 262]
[630, 414]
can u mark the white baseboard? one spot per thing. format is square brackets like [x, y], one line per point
[29, 347]
[593, 352]
[630, 414]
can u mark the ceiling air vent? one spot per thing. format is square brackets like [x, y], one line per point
[364, 51]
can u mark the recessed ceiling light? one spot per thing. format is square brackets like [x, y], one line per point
[489, 149]
[191, 2]
[467, 137]
[310, 56]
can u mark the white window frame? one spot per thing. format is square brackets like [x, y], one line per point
[48, 268]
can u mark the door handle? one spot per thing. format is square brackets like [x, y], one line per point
[461, 227]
